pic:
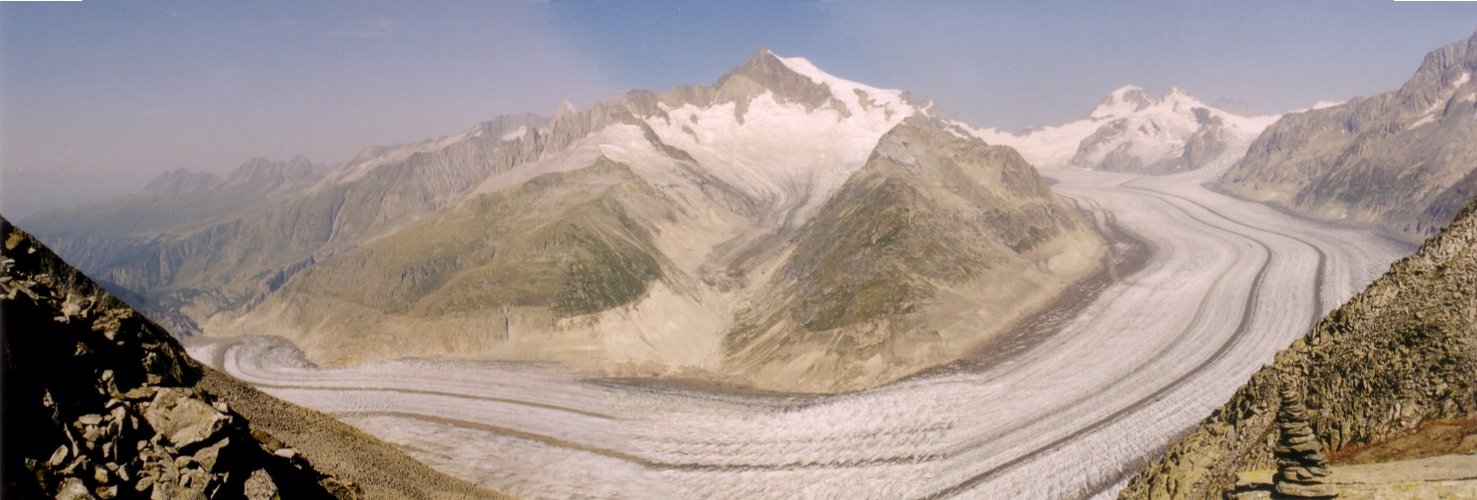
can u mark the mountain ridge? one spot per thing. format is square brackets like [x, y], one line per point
[1401, 161]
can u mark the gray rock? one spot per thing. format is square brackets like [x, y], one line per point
[259, 486]
[208, 455]
[182, 418]
[73, 489]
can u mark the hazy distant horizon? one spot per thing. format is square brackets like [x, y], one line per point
[97, 98]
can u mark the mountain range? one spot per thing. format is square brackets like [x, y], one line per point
[782, 228]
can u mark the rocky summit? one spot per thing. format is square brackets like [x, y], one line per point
[102, 403]
[1396, 358]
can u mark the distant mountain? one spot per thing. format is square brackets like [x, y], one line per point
[187, 246]
[1402, 161]
[1132, 131]
[1396, 359]
[658, 233]
[102, 403]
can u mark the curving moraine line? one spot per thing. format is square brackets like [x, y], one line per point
[1232, 341]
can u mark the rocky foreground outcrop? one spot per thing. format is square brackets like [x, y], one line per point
[1401, 353]
[102, 403]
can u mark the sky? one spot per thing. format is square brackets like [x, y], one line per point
[98, 97]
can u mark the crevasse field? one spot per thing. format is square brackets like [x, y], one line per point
[1227, 283]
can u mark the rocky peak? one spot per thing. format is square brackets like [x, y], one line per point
[1440, 74]
[1461, 55]
[180, 181]
[1124, 100]
[565, 109]
[764, 71]
[270, 175]
[1180, 101]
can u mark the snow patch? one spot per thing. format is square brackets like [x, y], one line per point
[1466, 77]
[846, 90]
[515, 134]
[782, 153]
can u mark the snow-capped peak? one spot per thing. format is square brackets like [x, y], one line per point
[1122, 102]
[849, 92]
[1177, 100]
[782, 130]
[1131, 122]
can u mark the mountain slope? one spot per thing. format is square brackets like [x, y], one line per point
[1401, 353]
[1131, 131]
[907, 264]
[102, 401]
[251, 231]
[1402, 161]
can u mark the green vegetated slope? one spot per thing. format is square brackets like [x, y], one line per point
[563, 241]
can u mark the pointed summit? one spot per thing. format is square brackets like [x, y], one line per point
[764, 71]
[565, 108]
[1123, 101]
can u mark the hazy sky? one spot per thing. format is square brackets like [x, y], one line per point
[97, 97]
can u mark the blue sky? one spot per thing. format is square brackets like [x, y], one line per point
[97, 97]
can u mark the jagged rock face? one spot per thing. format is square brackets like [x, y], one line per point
[1132, 131]
[1402, 161]
[101, 403]
[1402, 352]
